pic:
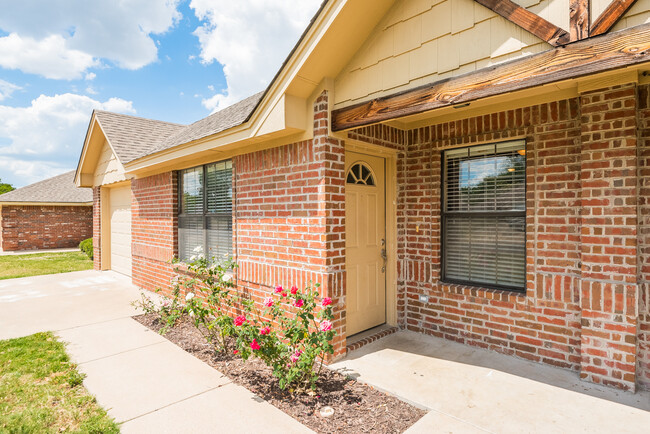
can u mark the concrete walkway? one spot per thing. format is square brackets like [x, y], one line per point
[31, 252]
[144, 381]
[470, 390]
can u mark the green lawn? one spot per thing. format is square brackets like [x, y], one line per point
[12, 266]
[41, 391]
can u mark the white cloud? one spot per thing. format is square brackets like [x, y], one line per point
[6, 89]
[62, 39]
[250, 38]
[45, 137]
[49, 57]
[90, 76]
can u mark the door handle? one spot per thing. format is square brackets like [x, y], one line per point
[384, 255]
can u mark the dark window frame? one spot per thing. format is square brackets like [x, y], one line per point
[443, 232]
[205, 215]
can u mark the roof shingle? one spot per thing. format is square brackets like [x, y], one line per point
[59, 189]
[131, 136]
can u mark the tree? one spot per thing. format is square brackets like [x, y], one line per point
[4, 188]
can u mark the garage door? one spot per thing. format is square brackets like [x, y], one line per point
[120, 210]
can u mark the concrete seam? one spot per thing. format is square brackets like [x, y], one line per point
[176, 402]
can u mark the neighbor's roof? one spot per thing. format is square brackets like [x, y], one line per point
[59, 189]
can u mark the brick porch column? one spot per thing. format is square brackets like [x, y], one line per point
[609, 290]
[329, 153]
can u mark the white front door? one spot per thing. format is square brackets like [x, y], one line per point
[365, 235]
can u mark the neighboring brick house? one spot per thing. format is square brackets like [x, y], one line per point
[50, 214]
[440, 166]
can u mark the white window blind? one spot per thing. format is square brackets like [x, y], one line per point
[205, 214]
[483, 215]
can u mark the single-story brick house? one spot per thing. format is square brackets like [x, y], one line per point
[465, 169]
[49, 214]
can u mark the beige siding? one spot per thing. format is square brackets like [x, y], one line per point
[420, 41]
[108, 169]
[638, 14]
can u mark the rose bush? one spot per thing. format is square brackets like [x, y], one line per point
[292, 332]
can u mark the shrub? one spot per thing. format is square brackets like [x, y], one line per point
[296, 339]
[86, 246]
[292, 333]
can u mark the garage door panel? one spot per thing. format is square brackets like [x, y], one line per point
[120, 211]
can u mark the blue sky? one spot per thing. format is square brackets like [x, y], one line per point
[171, 60]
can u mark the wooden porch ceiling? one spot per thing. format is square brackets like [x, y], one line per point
[607, 52]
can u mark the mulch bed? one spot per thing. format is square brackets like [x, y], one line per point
[358, 408]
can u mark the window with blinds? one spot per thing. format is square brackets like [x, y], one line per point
[205, 211]
[484, 215]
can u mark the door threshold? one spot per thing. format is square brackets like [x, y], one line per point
[358, 340]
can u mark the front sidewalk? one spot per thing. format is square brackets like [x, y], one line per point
[474, 390]
[144, 381]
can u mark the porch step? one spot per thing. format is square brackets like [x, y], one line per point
[364, 338]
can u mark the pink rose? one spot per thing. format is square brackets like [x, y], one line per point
[265, 330]
[326, 326]
[299, 303]
[295, 356]
[278, 289]
[294, 289]
[241, 319]
[255, 345]
[268, 302]
[326, 301]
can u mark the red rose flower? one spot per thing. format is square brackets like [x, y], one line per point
[294, 289]
[241, 319]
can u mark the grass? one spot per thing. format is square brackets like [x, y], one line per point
[12, 266]
[41, 391]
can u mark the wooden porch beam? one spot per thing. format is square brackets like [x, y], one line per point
[604, 53]
[529, 21]
[578, 19]
[610, 16]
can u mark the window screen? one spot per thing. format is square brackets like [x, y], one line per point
[484, 215]
[205, 214]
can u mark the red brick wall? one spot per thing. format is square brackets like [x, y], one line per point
[543, 323]
[290, 216]
[44, 227]
[154, 228]
[643, 376]
[609, 236]
[581, 201]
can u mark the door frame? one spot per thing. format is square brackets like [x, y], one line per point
[390, 156]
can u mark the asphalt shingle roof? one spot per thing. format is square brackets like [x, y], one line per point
[222, 120]
[59, 189]
[132, 136]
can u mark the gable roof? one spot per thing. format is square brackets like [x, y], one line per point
[58, 189]
[131, 136]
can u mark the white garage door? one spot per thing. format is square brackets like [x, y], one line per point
[120, 210]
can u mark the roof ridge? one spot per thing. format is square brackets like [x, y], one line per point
[139, 117]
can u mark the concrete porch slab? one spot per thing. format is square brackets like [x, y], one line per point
[491, 391]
